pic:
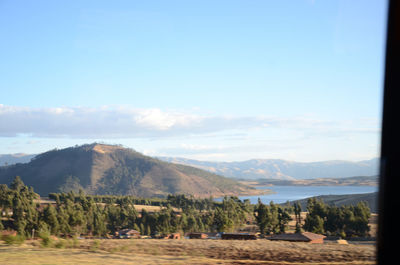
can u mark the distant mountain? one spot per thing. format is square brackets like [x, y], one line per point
[282, 169]
[347, 181]
[7, 159]
[111, 169]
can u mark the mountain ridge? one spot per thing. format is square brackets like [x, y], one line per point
[113, 169]
[10, 159]
[261, 168]
[284, 169]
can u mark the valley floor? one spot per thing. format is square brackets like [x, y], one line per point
[185, 251]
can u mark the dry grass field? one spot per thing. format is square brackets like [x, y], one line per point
[186, 251]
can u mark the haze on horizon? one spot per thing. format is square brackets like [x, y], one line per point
[206, 80]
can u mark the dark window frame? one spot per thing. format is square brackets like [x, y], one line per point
[389, 193]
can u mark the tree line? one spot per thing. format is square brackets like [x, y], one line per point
[103, 215]
[77, 214]
[344, 221]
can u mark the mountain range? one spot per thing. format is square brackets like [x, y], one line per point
[283, 169]
[259, 168]
[10, 159]
[112, 169]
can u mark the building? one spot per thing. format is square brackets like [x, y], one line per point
[212, 235]
[239, 236]
[300, 237]
[128, 233]
[174, 236]
[197, 235]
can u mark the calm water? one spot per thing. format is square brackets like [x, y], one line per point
[289, 193]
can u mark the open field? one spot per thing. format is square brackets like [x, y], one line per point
[185, 251]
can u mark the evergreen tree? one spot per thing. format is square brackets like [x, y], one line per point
[283, 219]
[17, 184]
[49, 216]
[314, 224]
[297, 214]
[273, 223]
[221, 221]
[262, 216]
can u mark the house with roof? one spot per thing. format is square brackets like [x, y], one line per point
[128, 233]
[300, 237]
[197, 235]
[239, 236]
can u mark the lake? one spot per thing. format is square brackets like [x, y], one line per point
[290, 193]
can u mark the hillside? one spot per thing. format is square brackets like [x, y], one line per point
[348, 199]
[111, 169]
[282, 169]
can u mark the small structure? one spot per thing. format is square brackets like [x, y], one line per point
[300, 237]
[239, 236]
[194, 235]
[174, 236]
[128, 233]
[168, 236]
[212, 235]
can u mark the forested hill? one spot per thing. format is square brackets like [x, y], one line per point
[112, 169]
[348, 199]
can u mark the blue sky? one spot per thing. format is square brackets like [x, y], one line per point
[209, 80]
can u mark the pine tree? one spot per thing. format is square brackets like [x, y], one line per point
[283, 218]
[317, 213]
[99, 223]
[221, 221]
[262, 216]
[49, 216]
[17, 184]
[297, 214]
[19, 215]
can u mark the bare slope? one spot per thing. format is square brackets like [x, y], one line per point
[110, 169]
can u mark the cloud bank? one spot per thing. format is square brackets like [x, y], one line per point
[127, 122]
[111, 122]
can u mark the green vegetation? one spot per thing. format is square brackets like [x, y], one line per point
[272, 218]
[79, 214]
[344, 221]
[346, 199]
[13, 240]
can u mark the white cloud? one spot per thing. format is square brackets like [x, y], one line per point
[126, 122]
[109, 122]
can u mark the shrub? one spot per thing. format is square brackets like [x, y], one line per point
[47, 241]
[95, 246]
[13, 240]
[60, 243]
